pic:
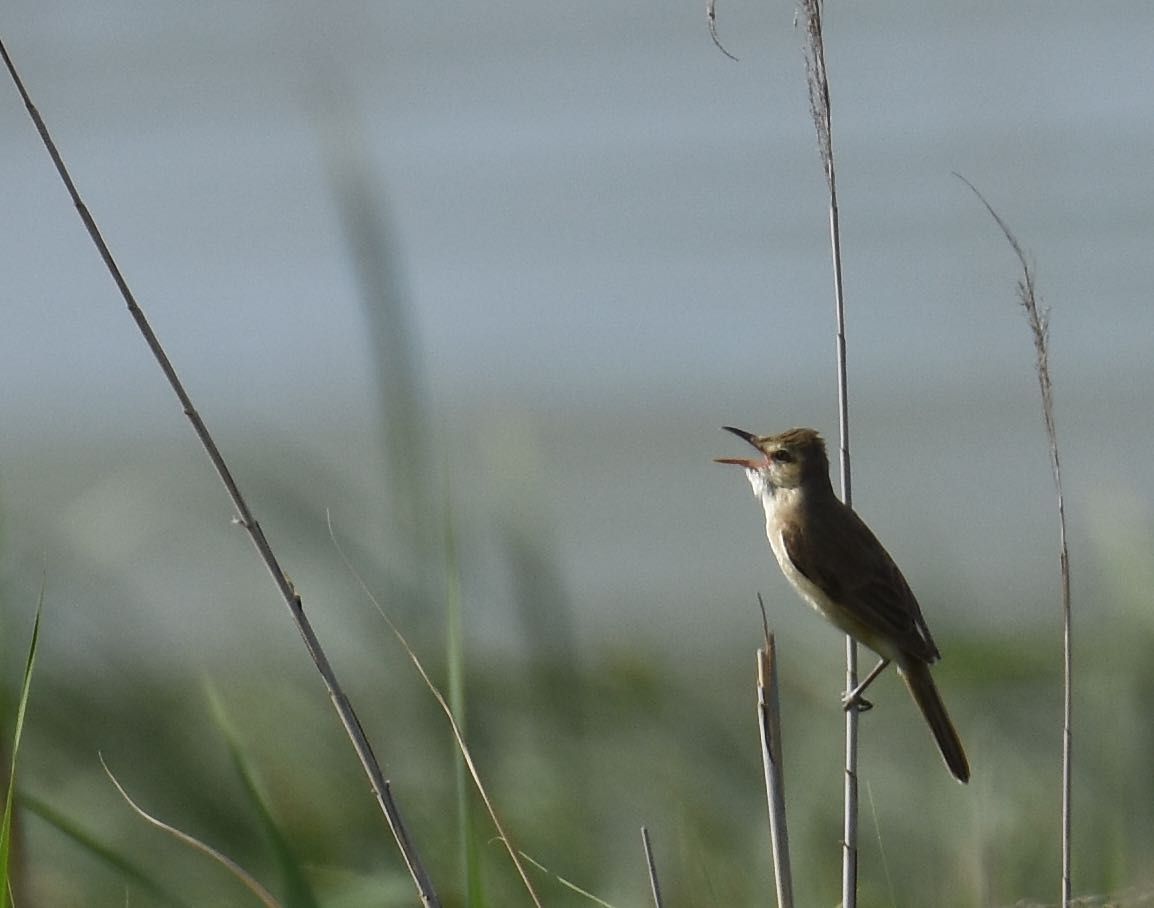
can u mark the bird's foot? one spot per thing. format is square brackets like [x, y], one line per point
[852, 699]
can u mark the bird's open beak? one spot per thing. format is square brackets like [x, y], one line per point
[738, 461]
[743, 435]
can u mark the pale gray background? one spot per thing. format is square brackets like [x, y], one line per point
[613, 241]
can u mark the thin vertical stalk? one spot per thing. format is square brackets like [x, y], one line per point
[850, 806]
[455, 659]
[819, 105]
[1039, 322]
[769, 723]
[654, 885]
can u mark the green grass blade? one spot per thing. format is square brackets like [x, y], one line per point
[297, 893]
[455, 656]
[129, 869]
[21, 709]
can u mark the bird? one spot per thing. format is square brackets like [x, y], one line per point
[838, 566]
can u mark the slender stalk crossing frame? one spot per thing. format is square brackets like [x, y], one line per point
[1039, 322]
[819, 106]
[769, 724]
[654, 883]
[244, 516]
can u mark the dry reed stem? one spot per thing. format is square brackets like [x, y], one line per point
[818, 82]
[244, 517]
[711, 20]
[769, 723]
[654, 886]
[247, 879]
[1039, 321]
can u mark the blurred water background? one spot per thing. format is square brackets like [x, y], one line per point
[501, 271]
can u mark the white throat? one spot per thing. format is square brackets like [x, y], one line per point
[771, 497]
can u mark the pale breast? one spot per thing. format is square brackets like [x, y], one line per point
[841, 616]
[808, 590]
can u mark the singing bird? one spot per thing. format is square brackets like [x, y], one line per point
[837, 565]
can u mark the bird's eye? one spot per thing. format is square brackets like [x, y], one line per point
[781, 456]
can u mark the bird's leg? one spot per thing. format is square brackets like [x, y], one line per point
[853, 699]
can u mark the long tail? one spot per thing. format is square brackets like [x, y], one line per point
[917, 677]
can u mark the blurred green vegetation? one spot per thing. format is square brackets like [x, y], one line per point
[577, 758]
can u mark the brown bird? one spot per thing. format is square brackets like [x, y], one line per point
[838, 566]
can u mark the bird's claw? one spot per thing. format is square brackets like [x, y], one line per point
[854, 700]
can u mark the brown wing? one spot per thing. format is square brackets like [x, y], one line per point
[854, 570]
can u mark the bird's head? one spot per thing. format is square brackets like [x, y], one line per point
[788, 461]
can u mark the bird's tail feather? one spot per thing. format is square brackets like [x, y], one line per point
[917, 677]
